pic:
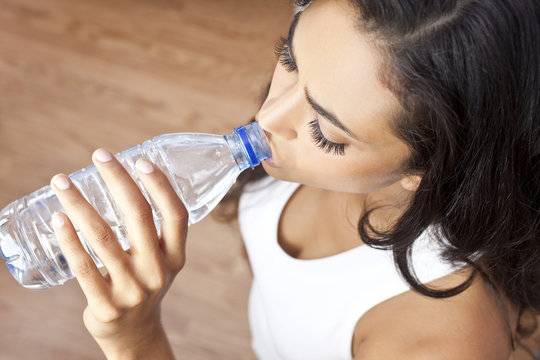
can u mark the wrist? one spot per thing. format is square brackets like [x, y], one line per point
[151, 343]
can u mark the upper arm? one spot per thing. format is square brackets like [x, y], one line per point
[411, 326]
[429, 348]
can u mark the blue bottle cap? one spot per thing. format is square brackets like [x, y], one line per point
[255, 143]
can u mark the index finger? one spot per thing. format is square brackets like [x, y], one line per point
[92, 282]
[96, 231]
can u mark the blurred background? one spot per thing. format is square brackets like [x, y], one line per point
[76, 75]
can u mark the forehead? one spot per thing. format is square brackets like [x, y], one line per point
[340, 66]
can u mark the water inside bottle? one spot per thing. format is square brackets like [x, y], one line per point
[200, 167]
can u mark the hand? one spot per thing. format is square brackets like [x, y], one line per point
[123, 312]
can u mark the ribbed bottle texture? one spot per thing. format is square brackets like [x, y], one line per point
[200, 167]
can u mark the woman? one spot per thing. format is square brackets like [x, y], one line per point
[412, 127]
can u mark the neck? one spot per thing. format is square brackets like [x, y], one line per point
[388, 205]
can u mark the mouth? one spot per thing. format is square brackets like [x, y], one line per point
[271, 161]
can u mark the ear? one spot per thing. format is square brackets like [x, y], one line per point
[411, 182]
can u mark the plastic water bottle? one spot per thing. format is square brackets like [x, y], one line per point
[201, 168]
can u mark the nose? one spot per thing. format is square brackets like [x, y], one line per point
[283, 108]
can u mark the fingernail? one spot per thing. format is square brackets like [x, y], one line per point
[144, 166]
[102, 155]
[58, 220]
[61, 182]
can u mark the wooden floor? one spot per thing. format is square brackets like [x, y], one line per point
[78, 75]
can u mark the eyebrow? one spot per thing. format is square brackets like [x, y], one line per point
[328, 115]
[291, 34]
[315, 105]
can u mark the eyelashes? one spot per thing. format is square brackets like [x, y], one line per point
[283, 53]
[322, 142]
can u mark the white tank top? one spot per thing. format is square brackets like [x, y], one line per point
[308, 309]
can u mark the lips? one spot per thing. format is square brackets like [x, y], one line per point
[272, 161]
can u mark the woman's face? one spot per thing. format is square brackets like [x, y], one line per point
[327, 115]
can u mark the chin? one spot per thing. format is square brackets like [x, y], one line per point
[276, 173]
[270, 170]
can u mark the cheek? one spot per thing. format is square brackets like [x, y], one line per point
[354, 173]
[370, 176]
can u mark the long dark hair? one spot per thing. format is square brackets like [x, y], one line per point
[467, 75]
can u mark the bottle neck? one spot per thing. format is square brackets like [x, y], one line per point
[237, 150]
[249, 145]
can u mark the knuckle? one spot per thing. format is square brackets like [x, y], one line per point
[178, 262]
[143, 211]
[134, 297]
[157, 281]
[109, 313]
[84, 269]
[181, 263]
[103, 236]
[178, 216]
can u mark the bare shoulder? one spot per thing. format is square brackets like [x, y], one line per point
[470, 325]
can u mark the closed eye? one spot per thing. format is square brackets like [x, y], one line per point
[322, 142]
[283, 53]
